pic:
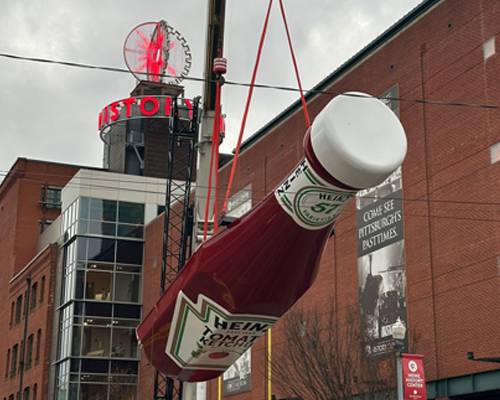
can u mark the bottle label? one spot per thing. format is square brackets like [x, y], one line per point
[312, 202]
[206, 336]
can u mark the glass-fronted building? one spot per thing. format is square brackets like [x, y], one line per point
[101, 266]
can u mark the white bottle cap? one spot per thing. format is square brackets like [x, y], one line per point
[358, 140]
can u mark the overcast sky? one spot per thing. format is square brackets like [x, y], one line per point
[50, 112]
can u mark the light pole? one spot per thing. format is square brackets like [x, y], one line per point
[399, 333]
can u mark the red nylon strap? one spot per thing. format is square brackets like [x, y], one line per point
[247, 107]
[304, 106]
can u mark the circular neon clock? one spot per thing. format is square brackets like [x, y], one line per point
[156, 52]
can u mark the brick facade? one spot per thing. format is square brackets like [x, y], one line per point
[41, 274]
[21, 212]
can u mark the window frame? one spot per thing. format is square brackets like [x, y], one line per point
[34, 296]
[19, 309]
[29, 352]
[42, 290]
[7, 364]
[50, 196]
[38, 345]
[13, 367]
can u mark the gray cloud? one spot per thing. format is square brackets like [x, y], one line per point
[50, 112]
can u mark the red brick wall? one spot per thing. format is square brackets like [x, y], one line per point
[19, 214]
[39, 318]
[20, 194]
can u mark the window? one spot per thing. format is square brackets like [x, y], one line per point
[111, 218]
[135, 137]
[13, 368]
[129, 252]
[102, 210]
[134, 159]
[51, 197]
[495, 153]
[43, 225]
[29, 353]
[128, 288]
[131, 213]
[19, 307]
[26, 395]
[42, 289]
[37, 351]
[35, 390]
[100, 249]
[34, 294]
[12, 308]
[489, 48]
[7, 364]
[25, 304]
[98, 285]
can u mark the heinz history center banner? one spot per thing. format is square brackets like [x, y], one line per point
[381, 260]
[413, 377]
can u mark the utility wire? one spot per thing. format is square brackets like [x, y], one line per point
[233, 83]
[272, 183]
[102, 185]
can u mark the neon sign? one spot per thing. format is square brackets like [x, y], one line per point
[156, 52]
[141, 107]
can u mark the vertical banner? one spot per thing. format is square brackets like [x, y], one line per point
[413, 377]
[381, 260]
[237, 378]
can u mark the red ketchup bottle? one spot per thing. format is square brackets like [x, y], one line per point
[239, 282]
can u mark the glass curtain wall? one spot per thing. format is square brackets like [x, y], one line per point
[101, 300]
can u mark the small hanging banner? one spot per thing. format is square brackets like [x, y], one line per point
[413, 377]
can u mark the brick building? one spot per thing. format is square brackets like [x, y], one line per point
[442, 52]
[30, 200]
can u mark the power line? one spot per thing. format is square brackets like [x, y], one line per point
[37, 179]
[234, 83]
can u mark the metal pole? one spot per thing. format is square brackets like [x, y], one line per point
[399, 370]
[215, 42]
[398, 334]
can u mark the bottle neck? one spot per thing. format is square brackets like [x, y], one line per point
[318, 168]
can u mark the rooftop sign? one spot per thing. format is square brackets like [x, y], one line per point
[140, 107]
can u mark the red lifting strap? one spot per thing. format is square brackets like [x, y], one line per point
[247, 107]
[304, 105]
[250, 92]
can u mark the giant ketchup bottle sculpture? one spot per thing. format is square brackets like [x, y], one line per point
[238, 283]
